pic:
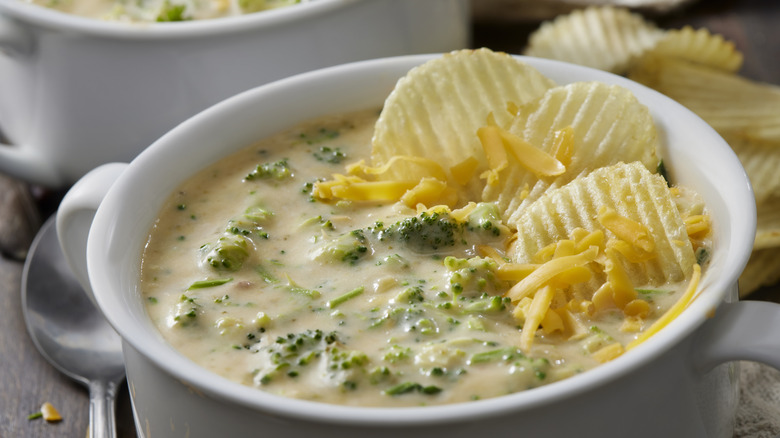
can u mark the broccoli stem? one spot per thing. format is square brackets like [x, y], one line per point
[345, 297]
[201, 284]
[406, 387]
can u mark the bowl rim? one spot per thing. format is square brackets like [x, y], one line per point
[48, 18]
[718, 287]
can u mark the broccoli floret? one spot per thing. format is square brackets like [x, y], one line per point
[318, 135]
[313, 349]
[487, 304]
[250, 222]
[520, 363]
[472, 277]
[348, 248]
[172, 12]
[186, 312]
[438, 230]
[596, 340]
[485, 217]
[228, 254]
[330, 155]
[428, 231]
[278, 170]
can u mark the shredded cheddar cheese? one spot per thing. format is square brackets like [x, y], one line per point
[674, 311]
[490, 138]
[697, 225]
[626, 229]
[539, 306]
[606, 354]
[463, 172]
[534, 159]
[50, 413]
[623, 290]
[416, 167]
[515, 271]
[529, 285]
[563, 145]
[430, 191]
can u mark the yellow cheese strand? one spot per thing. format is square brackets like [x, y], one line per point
[424, 168]
[563, 145]
[623, 290]
[609, 352]
[549, 270]
[463, 172]
[430, 191]
[539, 162]
[490, 138]
[673, 311]
[372, 190]
[539, 306]
[697, 225]
[626, 229]
[515, 271]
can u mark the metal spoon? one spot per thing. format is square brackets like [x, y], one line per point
[69, 331]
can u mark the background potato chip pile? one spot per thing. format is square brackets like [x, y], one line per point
[699, 70]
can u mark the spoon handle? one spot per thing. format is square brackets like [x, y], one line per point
[101, 409]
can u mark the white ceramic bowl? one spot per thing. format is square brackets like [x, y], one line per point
[77, 92]
[677, 384]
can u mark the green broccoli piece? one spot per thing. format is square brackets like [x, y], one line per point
[278, 170]
[407, 387]
[172, 12]
[428, 231]
[435, 231]
[596, 340]
[348, 248]
[473, 276]
[297, 352]
[485, 217]
[228, 254]
[186, 312]
[487, 304]
[250, 222]
[330, 155]
[319, 135]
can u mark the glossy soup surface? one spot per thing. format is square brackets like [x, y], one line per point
[250, 276]
[149, 11]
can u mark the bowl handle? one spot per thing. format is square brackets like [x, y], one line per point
[14, 39]
[75, 215]
[745, 330]
[23, 161]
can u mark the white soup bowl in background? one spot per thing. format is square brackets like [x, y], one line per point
[77, 92]
[682, 382]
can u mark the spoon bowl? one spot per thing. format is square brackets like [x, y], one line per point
[69, 331]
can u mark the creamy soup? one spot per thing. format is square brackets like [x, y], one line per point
[251, 276]
[148, 11]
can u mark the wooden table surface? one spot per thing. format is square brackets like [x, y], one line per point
[27, 380]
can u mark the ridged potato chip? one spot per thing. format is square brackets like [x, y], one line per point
[633, 193]
[731, 104]
[435, 110]
[761, 161]
[699, 46]
[768, 224]
[606, 38]
[608, 125]
[763, 269]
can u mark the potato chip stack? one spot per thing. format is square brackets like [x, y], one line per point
[699, 70]
[572, 170]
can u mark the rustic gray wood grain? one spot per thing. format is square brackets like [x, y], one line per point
[19, 218]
